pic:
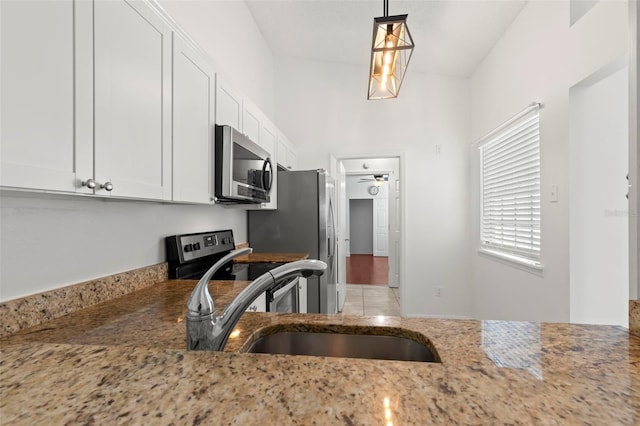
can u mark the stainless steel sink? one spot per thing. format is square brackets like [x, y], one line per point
[367, 346]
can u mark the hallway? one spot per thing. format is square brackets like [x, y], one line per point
[367, 269]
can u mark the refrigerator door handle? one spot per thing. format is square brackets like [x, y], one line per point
[331, 238]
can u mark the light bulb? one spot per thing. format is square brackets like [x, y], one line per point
[389, 40]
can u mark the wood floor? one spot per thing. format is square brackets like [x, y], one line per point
[367, 269]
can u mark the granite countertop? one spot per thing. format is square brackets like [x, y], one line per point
[271, 257]
[124, 362]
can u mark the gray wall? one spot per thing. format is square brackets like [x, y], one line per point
[361, 226]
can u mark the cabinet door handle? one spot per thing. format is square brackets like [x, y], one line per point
[108, 186]
[89, 183]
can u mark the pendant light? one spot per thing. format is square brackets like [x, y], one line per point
[390, 54]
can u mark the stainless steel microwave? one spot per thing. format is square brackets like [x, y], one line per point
[243, 170]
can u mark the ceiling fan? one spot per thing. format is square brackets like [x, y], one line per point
[377, 180]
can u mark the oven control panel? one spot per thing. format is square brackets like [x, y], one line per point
[190, 247]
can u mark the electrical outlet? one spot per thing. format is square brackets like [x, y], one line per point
[438, 291]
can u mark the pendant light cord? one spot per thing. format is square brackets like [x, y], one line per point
[385, 7]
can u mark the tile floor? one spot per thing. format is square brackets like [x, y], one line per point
[364, 299]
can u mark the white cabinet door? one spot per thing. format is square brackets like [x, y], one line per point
[228, 105]
[39, 146]
[193, 119]
[287, 154]
[380, 227]
[282, 153]
[292, 156]
[269, 140]
[251, 123]
[132, 100]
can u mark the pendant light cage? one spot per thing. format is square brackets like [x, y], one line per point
[391, 51]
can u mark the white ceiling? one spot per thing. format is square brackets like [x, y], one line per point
[451, 36]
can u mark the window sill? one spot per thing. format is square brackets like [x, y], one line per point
[519, 262]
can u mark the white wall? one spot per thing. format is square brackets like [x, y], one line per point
[227, 31]
[599, 222]
[431, 110]
[52, 241]
[69, 240]
[538, 59]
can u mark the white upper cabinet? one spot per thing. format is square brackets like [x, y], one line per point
[132, 100]
[193, 121]
[228, 105]
[287, 154]
[106, 98]
[268, 138]
[292, 156]
[251, 121]
[235, 110]
[38, 140]
[282, 155]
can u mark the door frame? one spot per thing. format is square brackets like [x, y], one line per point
[634, 152]
[337, 163]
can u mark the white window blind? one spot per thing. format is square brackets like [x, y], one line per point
[510, 193]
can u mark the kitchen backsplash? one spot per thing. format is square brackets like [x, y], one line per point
[29, 311]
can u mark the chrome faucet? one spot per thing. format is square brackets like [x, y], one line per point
[207, 332]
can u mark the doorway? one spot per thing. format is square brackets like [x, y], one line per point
[386, 217]
[367, 261]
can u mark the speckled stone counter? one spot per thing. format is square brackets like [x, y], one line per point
[124, 362]
[271, 257]
[25, 312]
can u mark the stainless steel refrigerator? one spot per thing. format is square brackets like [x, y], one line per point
[303, 223]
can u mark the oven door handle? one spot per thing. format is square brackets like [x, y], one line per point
[277, 294]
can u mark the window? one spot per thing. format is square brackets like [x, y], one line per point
[510, 189]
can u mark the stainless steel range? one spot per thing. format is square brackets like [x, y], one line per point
[190, 255]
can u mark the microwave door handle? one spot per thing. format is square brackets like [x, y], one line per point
[265, 185]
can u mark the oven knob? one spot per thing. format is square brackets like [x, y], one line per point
[188, 248]
[196, 246]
